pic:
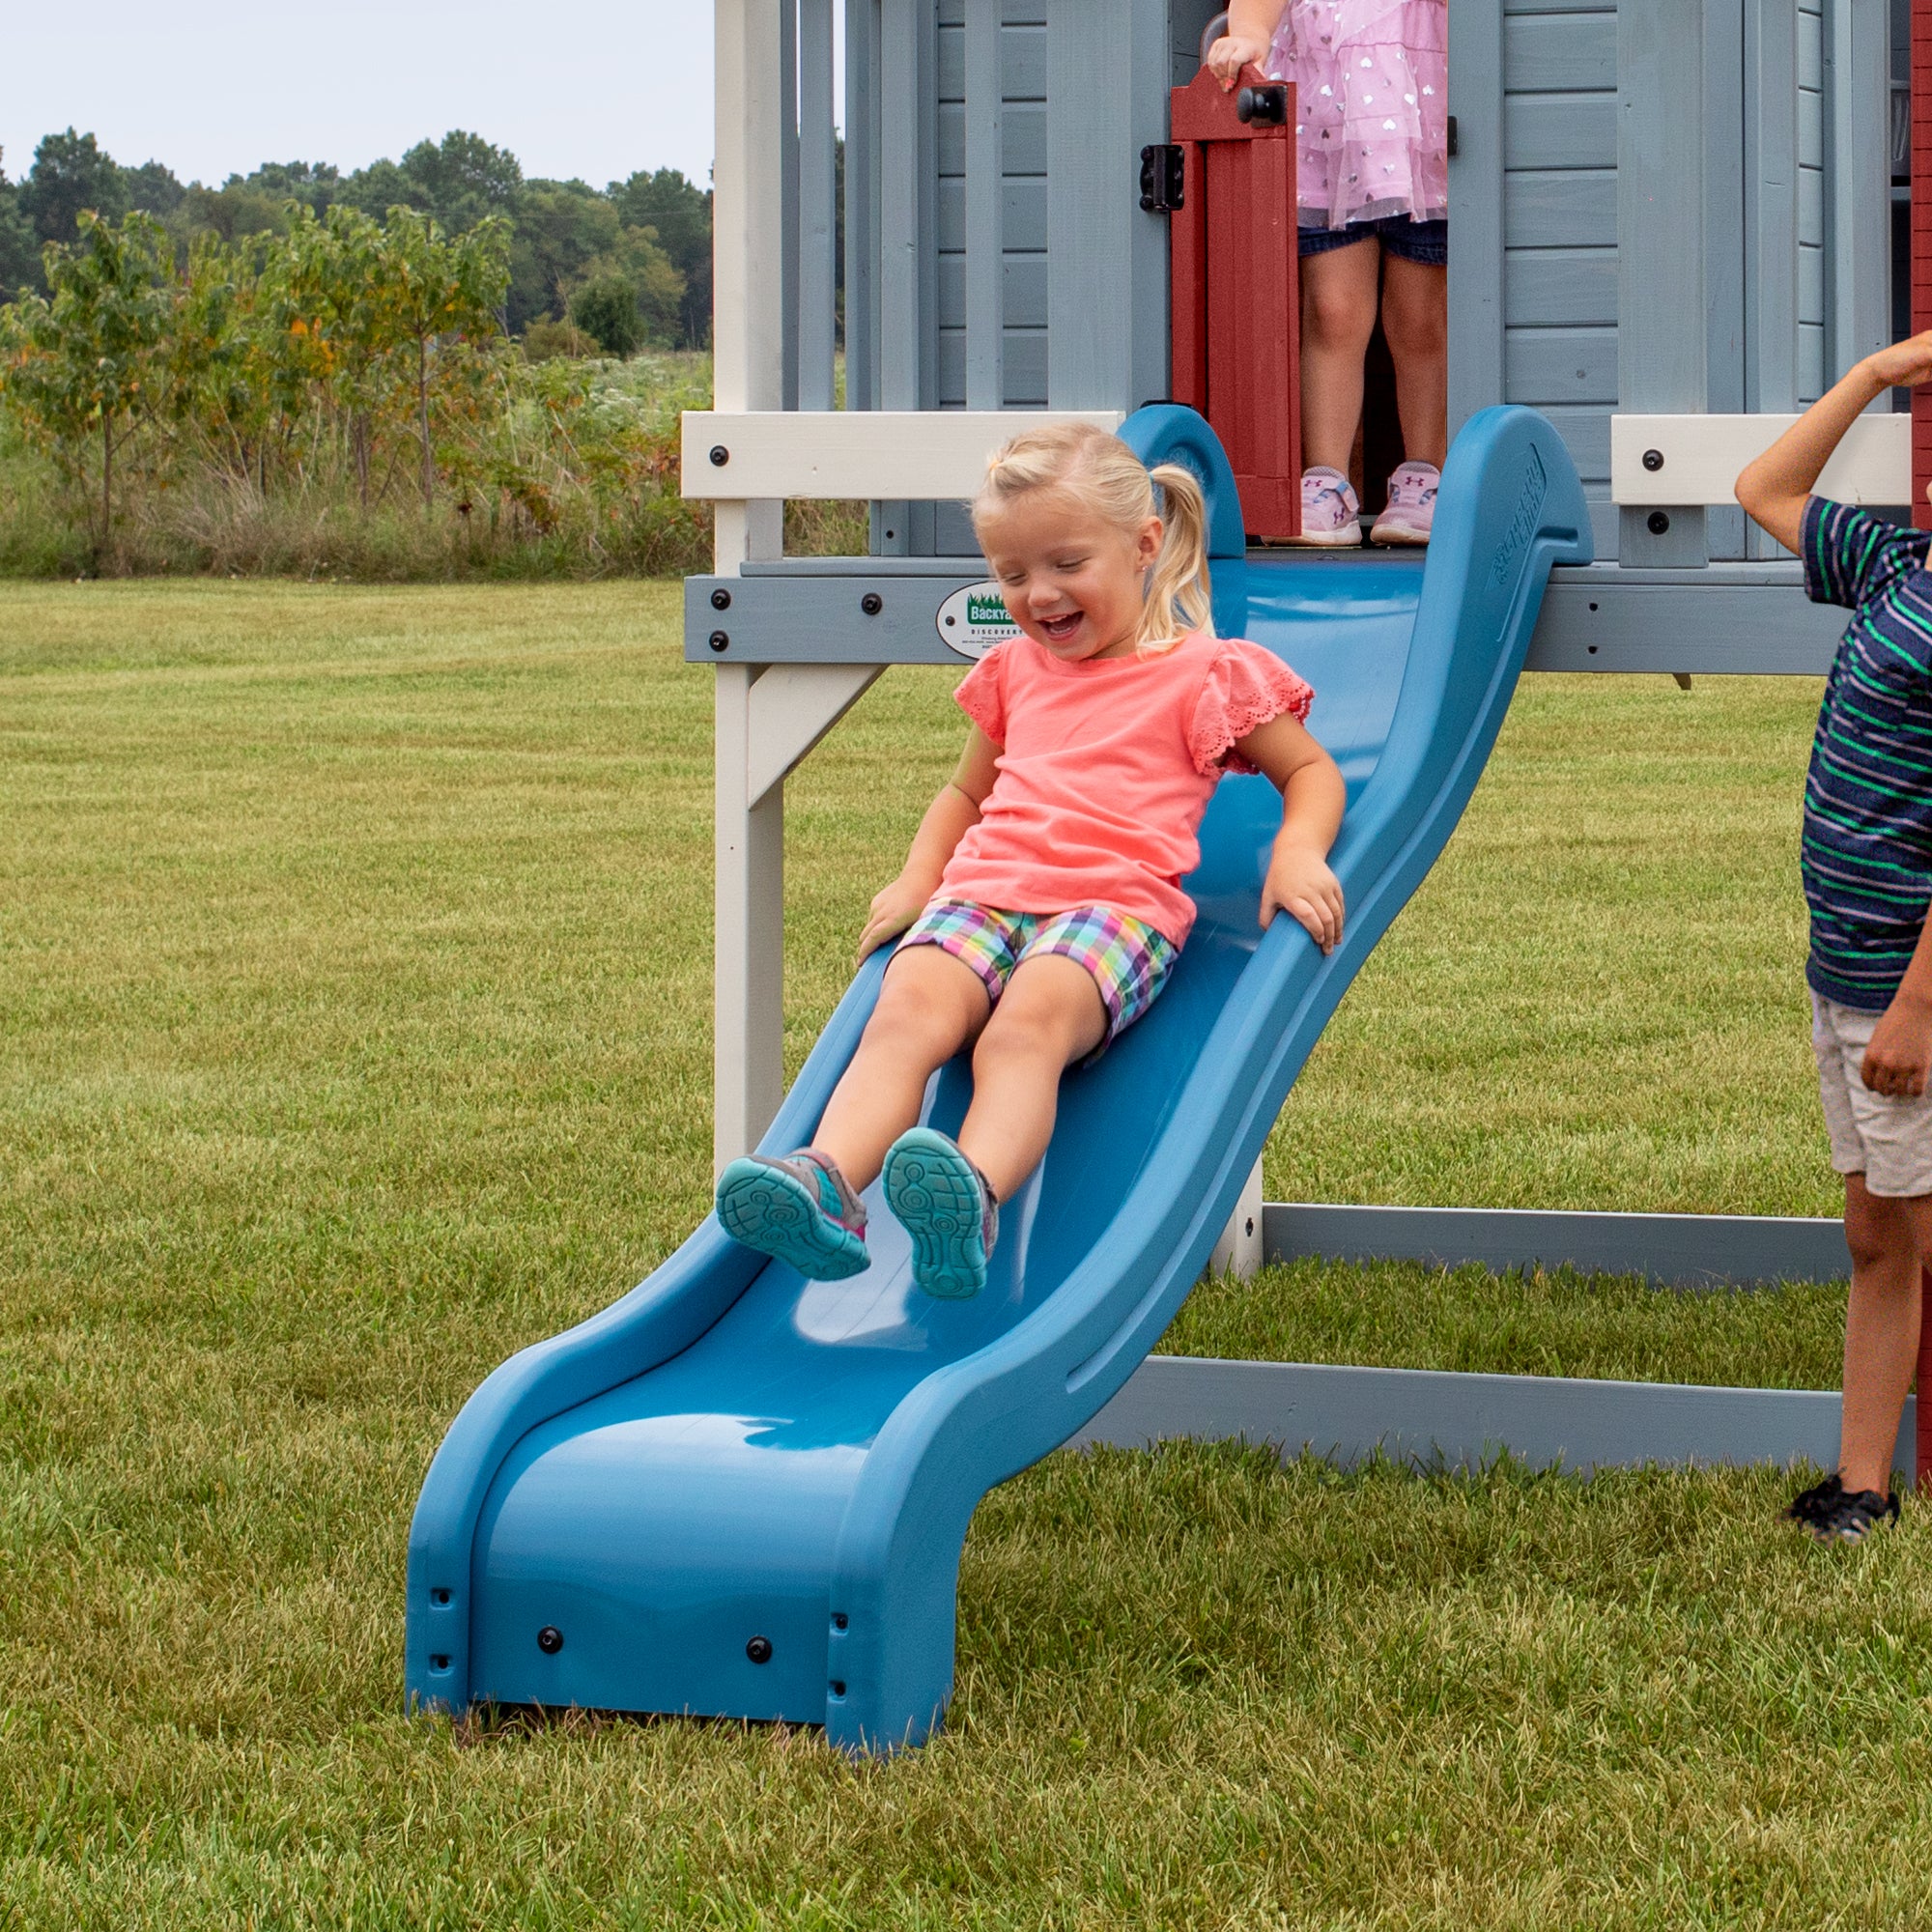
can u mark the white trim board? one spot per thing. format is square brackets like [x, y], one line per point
[937, 455]
[1703, 454]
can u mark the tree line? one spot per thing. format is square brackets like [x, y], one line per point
[622, 267]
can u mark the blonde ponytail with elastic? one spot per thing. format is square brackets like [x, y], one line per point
[1178, 597]
[1111, 480]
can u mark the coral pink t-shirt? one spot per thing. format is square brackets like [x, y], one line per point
[1105, 769]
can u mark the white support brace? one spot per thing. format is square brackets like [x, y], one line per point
[932, 455]
[1695, 459]
[792, 707]
[1239, 1251]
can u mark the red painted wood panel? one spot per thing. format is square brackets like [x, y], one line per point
[1236, 295]
[1922, 316]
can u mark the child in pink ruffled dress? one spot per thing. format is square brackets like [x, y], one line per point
[1372, 157]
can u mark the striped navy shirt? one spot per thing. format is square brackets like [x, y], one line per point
[1868, 840]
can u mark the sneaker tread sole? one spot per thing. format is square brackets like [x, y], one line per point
[934, 1194]
[772, 1211]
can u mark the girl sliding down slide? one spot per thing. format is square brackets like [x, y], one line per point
[1043, 891]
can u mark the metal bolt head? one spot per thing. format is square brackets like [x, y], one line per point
[1658, 523]
[720, 640]
[760, 1650]
[720, 456]
[872, 603]
[1653, 460]
[550, 1639]
[720, 599]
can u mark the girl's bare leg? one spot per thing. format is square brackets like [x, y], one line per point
[1339, 292]
[931, 1006]
[1049, 1016]
[1415, 319]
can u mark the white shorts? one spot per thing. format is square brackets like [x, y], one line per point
[1886, 1138]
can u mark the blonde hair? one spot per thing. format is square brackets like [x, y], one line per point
[1103, 474]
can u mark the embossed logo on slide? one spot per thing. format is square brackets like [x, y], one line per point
[1522, 525]
[973, 620]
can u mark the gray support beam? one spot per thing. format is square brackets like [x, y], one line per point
[1730, 618]
[903, 312]
[788, 270]
[1347, 1415]
[1858, 234]
[861, 204]
[1725, 243]
[1476, 212]
[817, 194]
[1088, 209]
[1770, 219]
[1151, 61]
[985, 197]
[1663, 345]
[1670, 1250]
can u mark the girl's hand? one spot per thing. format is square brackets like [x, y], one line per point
[1230, 53]
[893, 910]
[1905, 364]
[1300, 884]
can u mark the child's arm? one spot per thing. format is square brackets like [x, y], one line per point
[948, 819]
[1313, 795]
[1899, 1053]
[1773, 488]
[1251, 25]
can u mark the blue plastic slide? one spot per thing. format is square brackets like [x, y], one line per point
[735, 1493]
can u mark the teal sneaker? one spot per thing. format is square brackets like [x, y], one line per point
[798, 1209]
[943, 1202]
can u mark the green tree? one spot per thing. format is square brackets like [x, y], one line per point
[71, 173]
[83, 364]
[19, 249]
[561, 227]
[153, 188]
[457, 181]
[606, 309]
[678, 214]
[444, 293]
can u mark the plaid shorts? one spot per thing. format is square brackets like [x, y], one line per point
[1129, 960]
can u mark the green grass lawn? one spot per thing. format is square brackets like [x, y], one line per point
[354, 976]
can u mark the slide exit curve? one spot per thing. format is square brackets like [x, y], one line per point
[735, 1493]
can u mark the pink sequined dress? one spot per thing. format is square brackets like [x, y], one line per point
[1371, 80]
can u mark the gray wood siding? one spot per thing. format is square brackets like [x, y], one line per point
[1023, 215]
[1560, 229]
[1812, 379]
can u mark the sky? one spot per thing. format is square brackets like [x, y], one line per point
[617, 85]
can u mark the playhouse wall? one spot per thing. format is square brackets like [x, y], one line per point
[1656, 206]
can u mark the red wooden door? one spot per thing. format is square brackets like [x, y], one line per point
[1235, 288]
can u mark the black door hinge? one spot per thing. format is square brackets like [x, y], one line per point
[1163, 179]
[1452, 133]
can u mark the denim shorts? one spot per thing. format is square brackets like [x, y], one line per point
[1129, 959]
[1425, 242]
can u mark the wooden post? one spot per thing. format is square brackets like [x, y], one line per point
[749, 338]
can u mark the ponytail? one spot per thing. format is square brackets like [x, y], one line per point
[1177, 594]
[1112, 481]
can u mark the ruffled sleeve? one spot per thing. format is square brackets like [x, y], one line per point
[982, 695]
[1245, 686]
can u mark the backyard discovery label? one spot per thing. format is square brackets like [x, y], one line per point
[974, 620]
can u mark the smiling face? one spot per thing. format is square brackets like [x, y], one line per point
[1072, 580]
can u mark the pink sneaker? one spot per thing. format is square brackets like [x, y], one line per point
[1331, 517]
[1411, 505]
